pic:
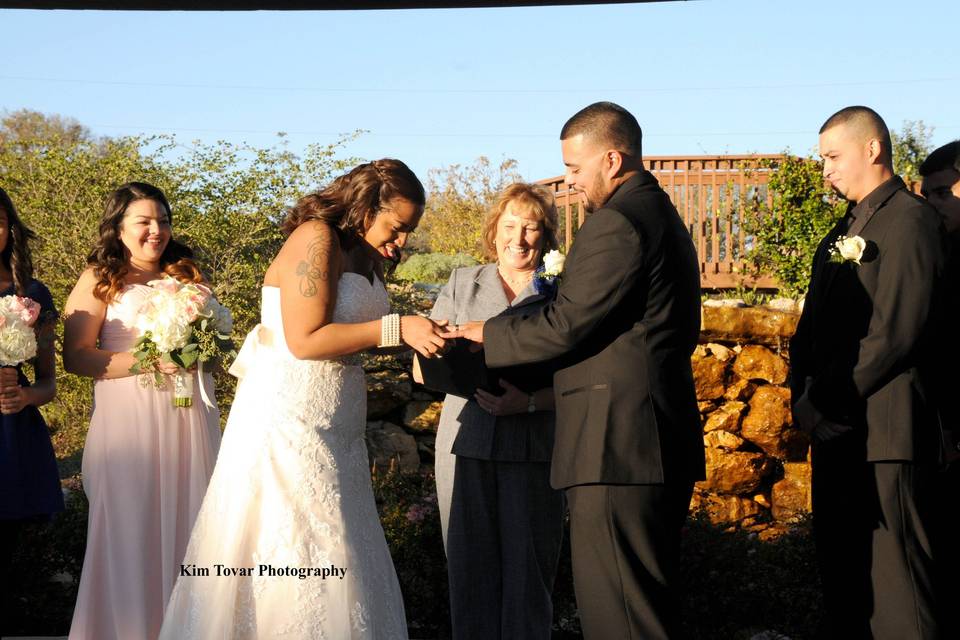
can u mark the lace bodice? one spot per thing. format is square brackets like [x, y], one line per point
[358, 300]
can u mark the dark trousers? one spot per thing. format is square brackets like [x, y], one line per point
[873, 527]
[9, 538]
[947, 551]
[625, 542]
[503, 546]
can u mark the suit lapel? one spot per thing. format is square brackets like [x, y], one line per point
[490, 293]
[828, 270]
[876, 202]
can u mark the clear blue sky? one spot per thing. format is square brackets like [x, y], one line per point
[437, 87]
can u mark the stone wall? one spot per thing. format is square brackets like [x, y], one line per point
[758, 472]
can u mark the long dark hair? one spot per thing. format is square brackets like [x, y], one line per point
[16, 255]
[351, 202]
[109, 259]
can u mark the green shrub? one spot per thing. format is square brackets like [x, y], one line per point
[432, 268]
[458, 199]
[786, 234]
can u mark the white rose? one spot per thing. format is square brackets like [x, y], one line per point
[171, 336]
[851, 248]
[553, 263]
[18, 343]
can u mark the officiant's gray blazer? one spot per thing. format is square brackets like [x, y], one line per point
[475, 293]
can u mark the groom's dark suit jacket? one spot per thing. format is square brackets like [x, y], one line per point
[627, 313]
[870, 335]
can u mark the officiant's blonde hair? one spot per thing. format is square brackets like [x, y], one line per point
[532, 199]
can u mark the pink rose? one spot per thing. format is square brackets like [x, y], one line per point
[29, 310]
[167, 285]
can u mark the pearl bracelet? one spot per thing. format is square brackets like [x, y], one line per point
[390, 331]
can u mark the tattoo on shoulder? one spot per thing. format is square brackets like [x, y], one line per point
[316, 268]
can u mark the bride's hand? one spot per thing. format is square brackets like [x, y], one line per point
[423, 335]
[168, 368]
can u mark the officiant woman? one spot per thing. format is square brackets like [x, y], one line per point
[502, 523]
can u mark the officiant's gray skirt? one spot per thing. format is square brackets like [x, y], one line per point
[502, 529]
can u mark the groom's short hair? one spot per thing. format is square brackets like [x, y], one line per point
[608, 124]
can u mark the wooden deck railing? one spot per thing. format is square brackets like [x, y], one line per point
[710, 194]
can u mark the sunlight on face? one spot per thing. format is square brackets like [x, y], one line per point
[584, 162]
[395, 221]
[846, 160]
[519, 239]
[145, 231]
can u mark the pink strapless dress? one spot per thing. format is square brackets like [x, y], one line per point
[146, 465]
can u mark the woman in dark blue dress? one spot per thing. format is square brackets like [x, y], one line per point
[29, 481]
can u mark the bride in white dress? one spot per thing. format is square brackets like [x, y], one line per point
[288, 543]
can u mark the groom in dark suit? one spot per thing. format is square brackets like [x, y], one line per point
[628, 438]
[864, 360]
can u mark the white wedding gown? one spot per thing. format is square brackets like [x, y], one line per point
[291, 491]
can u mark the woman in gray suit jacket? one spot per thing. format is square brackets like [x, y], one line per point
[502, 523]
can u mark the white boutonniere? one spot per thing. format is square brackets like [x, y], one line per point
[848, 249]
[547, 274]
[553, 263]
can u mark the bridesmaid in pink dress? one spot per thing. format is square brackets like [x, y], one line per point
[146, 464]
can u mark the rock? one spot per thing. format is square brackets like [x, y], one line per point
[695, 501]
[387, 391]
[768, 425]
[374, 424]
[791, 495]
[426, 447]
[706, 406]
[700, 351]
[774, 531]
[726, 418]
[422, 415]
[392, 446]
[725, 303]
[719, 351]
[758, 325]
[422, 396]
[735, 472]
[759, 363]
[740, 389]
[784, 304]
[723, 440]
[728, 509]
[762, 500]
[709, 376]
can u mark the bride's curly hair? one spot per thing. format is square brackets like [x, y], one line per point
[351, 202]
[16, 255]
[110, 259]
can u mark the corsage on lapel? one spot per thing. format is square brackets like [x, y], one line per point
[547, 275]
[848, 249]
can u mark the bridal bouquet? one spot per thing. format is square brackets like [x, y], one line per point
[184, 324]
[18, 341]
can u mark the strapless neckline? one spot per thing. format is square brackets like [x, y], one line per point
[376, 279]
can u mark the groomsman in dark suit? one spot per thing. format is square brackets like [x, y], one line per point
[864, 360]
[628, 442]
[941, 187]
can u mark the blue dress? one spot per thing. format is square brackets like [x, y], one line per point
[29, 480]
